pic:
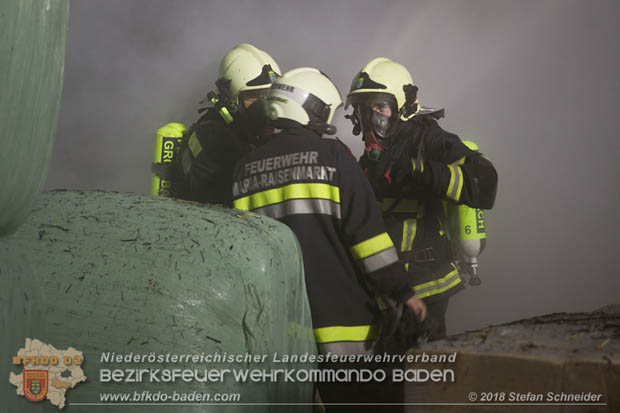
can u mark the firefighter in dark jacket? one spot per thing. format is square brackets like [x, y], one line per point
[415, 167]
[229, 129]
[314, 185]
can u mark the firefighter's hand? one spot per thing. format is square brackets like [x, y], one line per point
[407, 170]
[418, 307]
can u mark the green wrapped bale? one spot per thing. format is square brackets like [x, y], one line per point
[32, 51]
[135, 275]
[21, 315]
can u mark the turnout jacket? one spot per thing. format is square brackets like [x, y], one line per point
[315, 186]
[208, 159]
[440, 169]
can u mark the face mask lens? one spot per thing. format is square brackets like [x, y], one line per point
[383, 109]
[375, 116]
[380, 124]
[248, 97]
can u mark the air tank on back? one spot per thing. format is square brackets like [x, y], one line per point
[468, 232]
[169, 140]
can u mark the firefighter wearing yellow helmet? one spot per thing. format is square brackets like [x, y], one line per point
[414, 167]
[232, 126]
[313, 184]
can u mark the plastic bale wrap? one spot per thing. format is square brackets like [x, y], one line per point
[21, 315]
[133, 274]
[32, 52]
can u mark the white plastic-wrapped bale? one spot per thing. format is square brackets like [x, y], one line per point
[129, 274]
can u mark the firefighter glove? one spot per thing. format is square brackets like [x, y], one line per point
[411, 170]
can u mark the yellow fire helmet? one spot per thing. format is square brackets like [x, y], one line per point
[307, 96]
[384, 79]
[246, 68]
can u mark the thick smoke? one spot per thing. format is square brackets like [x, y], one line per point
[535, 84]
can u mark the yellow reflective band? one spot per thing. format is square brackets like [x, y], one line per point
[300, 206]
[438, 286]
[371, 246]
[451, 184]
[377, 261]
[194, 145]
[459, 188]
[242, 204]
[456, 182]
[410, 228]
[417, 165]
[342, 333]
[292, 191]
[460, 161]
[471, 145]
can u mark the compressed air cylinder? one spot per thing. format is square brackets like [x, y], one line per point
[123, 279]
[32, 54]
[168, 141]
[468, 231]
[471, 237]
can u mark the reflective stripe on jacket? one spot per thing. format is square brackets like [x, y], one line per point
[316, 187]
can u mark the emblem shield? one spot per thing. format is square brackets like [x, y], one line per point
[36, 384]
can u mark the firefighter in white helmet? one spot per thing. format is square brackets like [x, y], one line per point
[230, 128]
[414, 167]
[313, 184]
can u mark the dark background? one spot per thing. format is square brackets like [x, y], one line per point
[534, 83]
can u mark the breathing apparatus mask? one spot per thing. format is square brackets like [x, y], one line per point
[252, 114]
[375, 115]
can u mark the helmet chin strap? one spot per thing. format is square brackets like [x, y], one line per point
[373, 148]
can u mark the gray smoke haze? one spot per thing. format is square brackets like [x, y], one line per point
[534, 83]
